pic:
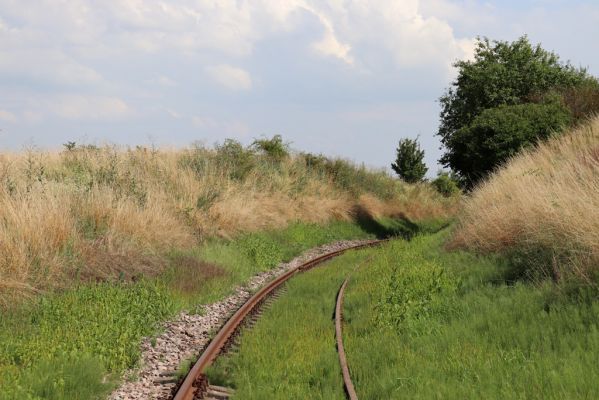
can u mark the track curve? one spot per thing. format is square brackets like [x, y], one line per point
[347, 382]
[195, 384]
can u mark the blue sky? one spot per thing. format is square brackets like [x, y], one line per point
[343, 78]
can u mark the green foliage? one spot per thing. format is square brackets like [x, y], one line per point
[502, 73]
[413, 291]
[409, 162]
[446, 183]
[499, 133]
[83, 333]
[77, 378]
[274, 149]
[477, 337]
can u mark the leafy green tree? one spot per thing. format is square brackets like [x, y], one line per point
[409, 164]
[502, 73]
[499, 133]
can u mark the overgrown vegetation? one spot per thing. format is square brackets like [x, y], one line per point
[485, 115]
[290, 353]
[76, 344]
[423, 323]
[103, 213]
[446, 183]
[542, 210]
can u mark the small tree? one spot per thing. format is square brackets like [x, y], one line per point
[409, 164]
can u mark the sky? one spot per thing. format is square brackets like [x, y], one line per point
[346, 78]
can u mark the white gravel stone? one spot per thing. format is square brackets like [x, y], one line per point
[188, 334]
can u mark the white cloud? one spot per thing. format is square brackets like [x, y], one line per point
[230, 77]
[7, 116]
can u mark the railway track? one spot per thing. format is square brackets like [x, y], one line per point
[195, 385]
[347, 382]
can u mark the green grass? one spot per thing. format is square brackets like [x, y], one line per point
[290, 353]
[64, 345]
[422, 323]
[76, 344]
[236, 261]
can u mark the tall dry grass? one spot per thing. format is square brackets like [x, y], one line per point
[90, 213]
[543, 204]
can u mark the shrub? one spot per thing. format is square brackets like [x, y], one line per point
[231, 156]
[409, 164]
[446, 183]
[274, 149]
[499, 133]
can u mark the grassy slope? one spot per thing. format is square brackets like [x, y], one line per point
[91, 213]
[446, 325]
[542, 209]
[63, 345]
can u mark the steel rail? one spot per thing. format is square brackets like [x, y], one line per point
[347, 382]
[195, 381]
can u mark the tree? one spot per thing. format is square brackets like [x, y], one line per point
[409, 164]
[499, 133]
[501, 74]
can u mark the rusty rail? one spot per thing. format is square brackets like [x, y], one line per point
[347, 382]
[195, 384]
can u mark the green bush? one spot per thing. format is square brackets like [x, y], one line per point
[446, 183]
[274, 149]
[499, 133]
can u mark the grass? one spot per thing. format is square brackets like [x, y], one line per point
[230, 262]
[542, 209]
[75, 344]
[93, 213]
[290, 353]
[65, 345]
[422, 323]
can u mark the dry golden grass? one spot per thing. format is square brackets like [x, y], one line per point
[103, 213]
[544, 202]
